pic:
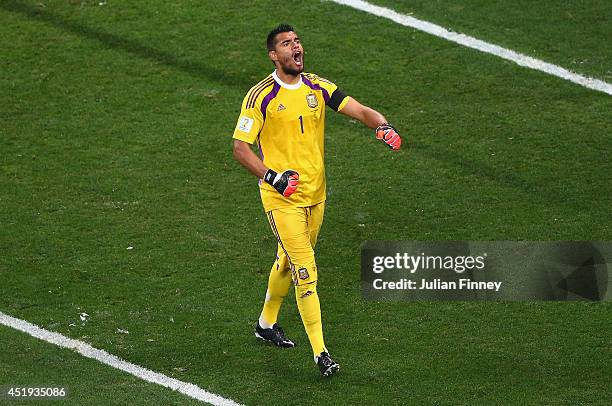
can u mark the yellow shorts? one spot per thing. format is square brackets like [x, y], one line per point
[296, 230]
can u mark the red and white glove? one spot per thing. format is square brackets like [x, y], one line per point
[286, 183]
[388, 134]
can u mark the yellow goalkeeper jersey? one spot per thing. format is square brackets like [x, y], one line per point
[288, 123]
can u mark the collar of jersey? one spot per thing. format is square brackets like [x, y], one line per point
[286, 85]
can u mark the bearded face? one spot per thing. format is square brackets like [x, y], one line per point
[288, 53]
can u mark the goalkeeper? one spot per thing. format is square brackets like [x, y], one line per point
[284, 115]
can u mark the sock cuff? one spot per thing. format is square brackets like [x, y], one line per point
[263, 323]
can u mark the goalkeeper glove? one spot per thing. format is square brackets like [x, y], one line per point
[286, 183]
[388, 134]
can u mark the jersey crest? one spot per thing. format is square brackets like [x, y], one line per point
[312, 101]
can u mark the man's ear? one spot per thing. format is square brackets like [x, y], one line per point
[273, 56]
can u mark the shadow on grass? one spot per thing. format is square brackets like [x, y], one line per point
[130, 46]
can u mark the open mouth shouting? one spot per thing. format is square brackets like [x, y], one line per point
[298, 59]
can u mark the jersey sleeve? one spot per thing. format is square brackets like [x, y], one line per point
[249, 123]
[337, 99]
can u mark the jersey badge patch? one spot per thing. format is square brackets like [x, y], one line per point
[245, 124]
[312, 101]
[303, 273]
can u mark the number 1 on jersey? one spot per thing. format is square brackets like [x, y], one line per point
[302, 124]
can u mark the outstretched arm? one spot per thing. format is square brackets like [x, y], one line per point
[373, 119]
[365, 114]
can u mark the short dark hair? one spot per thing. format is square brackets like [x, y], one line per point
[271, 42]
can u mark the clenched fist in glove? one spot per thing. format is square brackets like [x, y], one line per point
[388, 134]
[286, 183]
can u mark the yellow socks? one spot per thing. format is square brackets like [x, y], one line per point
[310, 310]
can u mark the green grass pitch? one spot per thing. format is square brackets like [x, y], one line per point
[115, 131]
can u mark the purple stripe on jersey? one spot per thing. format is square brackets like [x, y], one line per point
[261, 155]
[308, 83]
[268, 99]
[260, 87]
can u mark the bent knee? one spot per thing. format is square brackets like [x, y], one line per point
[306, 289]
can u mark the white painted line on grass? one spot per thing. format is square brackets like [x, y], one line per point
[471, 42]
[104, 357]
